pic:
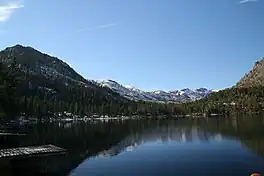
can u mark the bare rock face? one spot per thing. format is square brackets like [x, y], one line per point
[254, 78]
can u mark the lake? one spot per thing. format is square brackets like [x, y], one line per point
[213, 146]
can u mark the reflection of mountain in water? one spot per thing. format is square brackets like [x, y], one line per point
[108, 139]
[161, 133]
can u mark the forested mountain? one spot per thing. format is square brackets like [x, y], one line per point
[46, 84]
[229, 101]
[247, 96]
[35, 64]
[40, 85]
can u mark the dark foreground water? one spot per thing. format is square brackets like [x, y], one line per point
[148, 147]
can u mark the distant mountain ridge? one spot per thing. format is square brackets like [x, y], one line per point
[133, 93]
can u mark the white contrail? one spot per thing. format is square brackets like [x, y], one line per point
[247, 1]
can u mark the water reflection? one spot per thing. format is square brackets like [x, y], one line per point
[87, 141]
[171, 147]
[163, 133]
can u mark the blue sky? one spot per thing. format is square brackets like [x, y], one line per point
[150, 44]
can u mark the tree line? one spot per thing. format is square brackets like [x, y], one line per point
[28, 94]
[229, 101]
[21, 92]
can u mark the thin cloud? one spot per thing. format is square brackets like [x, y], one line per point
[98, 27]
[247, 1]
[7, 10]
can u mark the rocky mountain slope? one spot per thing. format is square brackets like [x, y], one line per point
[36, 63]
[50, 74]
[253, 78]
[156, 96]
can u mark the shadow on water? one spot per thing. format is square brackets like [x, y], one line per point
[84, 140]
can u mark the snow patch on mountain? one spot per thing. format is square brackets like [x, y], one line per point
[133, 93]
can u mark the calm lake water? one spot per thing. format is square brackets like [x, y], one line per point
[220, 146]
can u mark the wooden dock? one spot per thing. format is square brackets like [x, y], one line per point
[31, 151]
[11, 134]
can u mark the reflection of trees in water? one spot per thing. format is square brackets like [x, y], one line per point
[253, 136]
[85, 140]
[81, 140]
[248, 130]
[162, 132]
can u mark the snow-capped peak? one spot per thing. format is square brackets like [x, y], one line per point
[159, 92]
[133, 93]
[129, 86]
